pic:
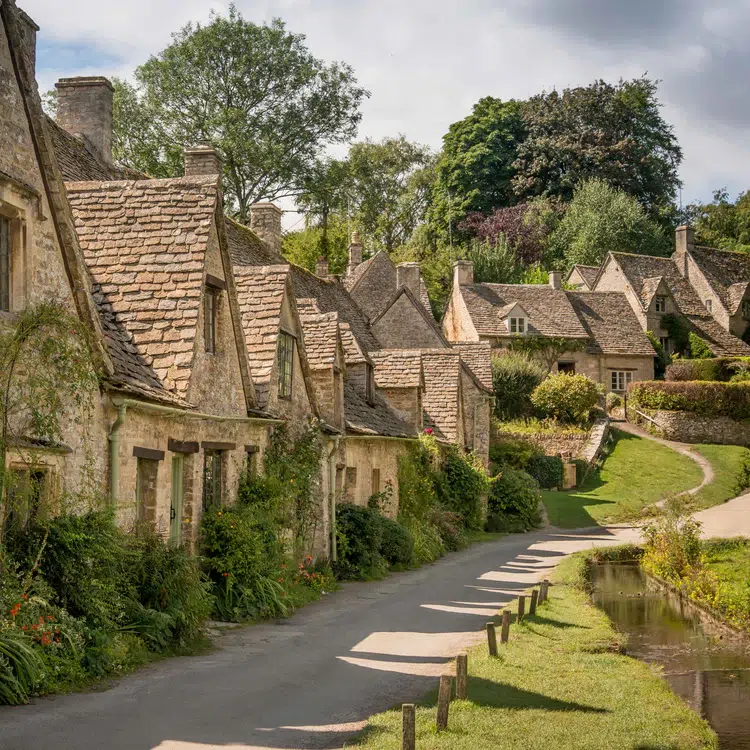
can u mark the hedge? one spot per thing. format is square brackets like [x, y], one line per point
[700, 397]
[720, 369]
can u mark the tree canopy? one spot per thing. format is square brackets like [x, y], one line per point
[723, 223]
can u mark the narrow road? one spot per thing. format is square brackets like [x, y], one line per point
[312, 681]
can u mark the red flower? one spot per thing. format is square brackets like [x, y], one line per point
[428, 431]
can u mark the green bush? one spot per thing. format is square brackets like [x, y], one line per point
[672, 548]
[547, 470]
[614, 401]
[706, 398]
[397, 544]
[514, 377]
[567, 398]
[20, 668]
[450, 528]
[743, 475]
[359, 536]
[721, 369]
[461, 485]
[428, 542]
[513, 452]
[514, 502]
[699, 349]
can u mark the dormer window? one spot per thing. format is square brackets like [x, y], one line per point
[661, 304]
[709, 305]
[286, 364]
[746, 309]
[517, 325]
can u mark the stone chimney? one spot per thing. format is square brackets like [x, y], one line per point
[355, 252]
[321, 267]
[463, 273]
[202, 159]
[265, 221]
[28, 29]
[84, 108]
[684, 243]
[409, 274]
[555, 279]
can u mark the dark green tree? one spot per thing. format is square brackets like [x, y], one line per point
[723, 223]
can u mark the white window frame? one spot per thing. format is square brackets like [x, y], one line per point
[619, 380]
[517, 325]
[660, 304]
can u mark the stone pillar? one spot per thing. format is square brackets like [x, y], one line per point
[84, 108]
[409, 274]
[555, 279]
[355, 252]
[463, 273]
[202, 159]
[265, 221]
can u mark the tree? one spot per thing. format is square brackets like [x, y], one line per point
[255, 92]
[723, 224]
[475, 170]
[304, 247]
[600, 219]
[610, 132]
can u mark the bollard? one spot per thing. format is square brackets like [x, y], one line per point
[492, 638]
[521, 607]
[444, 699]
[532, 604]
[462, 676]
[409, 741]
[543, 586]
[506, 626]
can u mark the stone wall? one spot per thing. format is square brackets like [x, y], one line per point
[688, 427]
[552, 445]
[403, 327]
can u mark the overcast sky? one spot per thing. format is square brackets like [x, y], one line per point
[426, 61]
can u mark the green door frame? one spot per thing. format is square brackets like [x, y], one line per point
[175, 514]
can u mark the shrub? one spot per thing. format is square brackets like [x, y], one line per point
[514, 377]
[743, 474]
[547, 470]
[722, 369]
[614, 401]
[450, 528]
[428, 543]
[461, 484]
[20, 668]
[513, 452]
[699, 349]
[706, 398]
[567, 398]
[514, 502]
[359, 536]
[397, 544]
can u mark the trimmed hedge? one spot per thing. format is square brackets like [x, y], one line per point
[547, 470]
[720, 369]
[707, 398]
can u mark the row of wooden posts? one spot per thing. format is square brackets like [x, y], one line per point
[462, 669]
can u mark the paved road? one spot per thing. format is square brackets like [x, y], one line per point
[312, 680]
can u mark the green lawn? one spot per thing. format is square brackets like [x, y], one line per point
[726, 460]
[559, 683]
[638, 472]
[729, 559]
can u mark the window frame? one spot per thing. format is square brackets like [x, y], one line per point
[620, 377]
[519, 323]
[25, 500]
[369, 384]
[665, 344]
[6, 270]
[210, 314]
[285, 363]
[212, 494]
[660, 303]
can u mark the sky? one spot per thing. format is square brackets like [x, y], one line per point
[427, 62]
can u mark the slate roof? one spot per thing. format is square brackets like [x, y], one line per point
[611, 323]
[442, 372]
[588, 273]
[398, 368]
[321, 334]
[477, 356]
[260, 292]
[727, 272]
[372, 419]
[719, 340]
[246, 248]
[550, 312]
[145, 243]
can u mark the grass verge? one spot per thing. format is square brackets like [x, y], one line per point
[637, 472]
[561, 682]
[726, 461]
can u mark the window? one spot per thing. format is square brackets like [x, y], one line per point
[661, 304]
[375, 481]
[569, 368]
[178, 494]
[26, 489]
[517, 325]
[211, 304]
[746, 309]
[212, 479]
[286, 364]
[369, 377]
[709, 305]
[664, 341]
[621, 379]
[4, 264]
[145, 490]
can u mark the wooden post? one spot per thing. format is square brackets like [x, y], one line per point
[492, 638]
[543, 587]
[462, 676]
[506, 626]
[534, 599]
[409, 740]
[444, 700]
[521, 607]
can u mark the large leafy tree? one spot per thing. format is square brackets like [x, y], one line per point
[723, 223]
[256, 92]
[611, 132]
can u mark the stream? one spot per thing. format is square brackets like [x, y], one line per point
[710, 672]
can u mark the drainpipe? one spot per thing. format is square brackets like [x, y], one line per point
[114, 453]
[332, 492]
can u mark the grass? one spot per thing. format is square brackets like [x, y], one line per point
[725, 460]
[729, 560]
[561, 682]
[638, 472]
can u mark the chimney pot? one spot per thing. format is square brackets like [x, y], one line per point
[84, 108]
[355, 252]
[555, 279]
[321, 267]
[463, 273]
[265, 221]
[202, 159]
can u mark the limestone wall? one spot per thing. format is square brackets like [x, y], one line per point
[687, 427]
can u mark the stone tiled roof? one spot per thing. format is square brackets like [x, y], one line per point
[350, 279]
[721, 342]
[246, 248]
[372, 419]
[352, 351]
[420, 309]
[477, 356]
[550, 312]
[727, 272]
[611, 323]
[260, 292]
[321, 334]
[398, 368]
[145, 245]
[588, 273]
[442, 373]
[644, 272]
